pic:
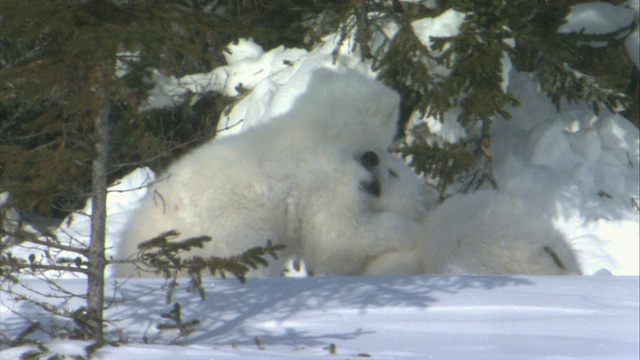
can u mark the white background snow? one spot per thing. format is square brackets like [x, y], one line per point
[579, 168]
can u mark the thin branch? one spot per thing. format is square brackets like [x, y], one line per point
[50, 267]
[56, 245]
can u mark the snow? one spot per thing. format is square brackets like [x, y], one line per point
[632, 43]
[580, 168]
[384, 317]
[597, 18]
[577, 168]
[242, 50]
[122, 199]
[445, 25]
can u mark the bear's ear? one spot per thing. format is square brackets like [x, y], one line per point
[370, 160]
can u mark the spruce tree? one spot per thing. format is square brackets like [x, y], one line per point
[72, 77]
[47, 51]
[465, 72]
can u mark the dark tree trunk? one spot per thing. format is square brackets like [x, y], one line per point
[95, 291]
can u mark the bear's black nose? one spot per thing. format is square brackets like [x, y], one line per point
[370, 160]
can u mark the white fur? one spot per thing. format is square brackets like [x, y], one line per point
[386, 224]
[295, 181]
[491, 233]
[405, 195]
[403, 192]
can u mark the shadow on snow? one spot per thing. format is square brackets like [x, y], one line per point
[278, 310]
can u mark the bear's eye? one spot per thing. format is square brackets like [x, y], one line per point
[393, 173]
[369, 160]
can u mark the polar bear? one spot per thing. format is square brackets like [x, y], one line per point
[493, 233]
[389, 221]
[396, 187]
[296, 180]
[483, 233]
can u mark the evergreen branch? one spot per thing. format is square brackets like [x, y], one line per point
[162, 255]
[560, 82]
[185, 328]
[618, 35]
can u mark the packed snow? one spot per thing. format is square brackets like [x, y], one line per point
[577, 169]
[392, 317]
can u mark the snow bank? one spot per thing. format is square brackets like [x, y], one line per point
[579, 169]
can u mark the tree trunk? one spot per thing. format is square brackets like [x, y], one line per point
[95, 291]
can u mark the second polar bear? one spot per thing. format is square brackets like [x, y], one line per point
[493, 233]
[486, 232]
[296, 180]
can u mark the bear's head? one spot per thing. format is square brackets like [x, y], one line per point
[344, 111]
[393, 187]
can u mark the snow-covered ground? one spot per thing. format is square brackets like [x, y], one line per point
[393, 317]
[577, 169]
